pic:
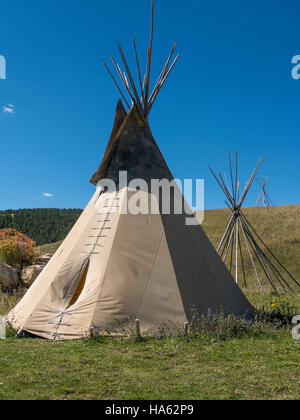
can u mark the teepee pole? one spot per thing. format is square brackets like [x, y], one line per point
[123, 79]
[147, 86]
[232, 246]
[242, 262]
[115, 82]
[220, 184]
[252, 260]
[227, 184]
[137, 96]
[163, 82]
[226, 244]
[270, 204]
[277, 274]
[236, 177]
[238, 191]
[237, 255]
[117, 67]
[250, 182]
[269, 250]
[258, 200]
[231, 176]
[138, 69]
[228, 192]
[269, 263]
[257, 251]
[229, 242]
[225, 234]
[163, 73]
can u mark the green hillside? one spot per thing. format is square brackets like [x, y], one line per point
[42, 225]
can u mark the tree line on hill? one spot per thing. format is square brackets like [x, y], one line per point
[44, 226]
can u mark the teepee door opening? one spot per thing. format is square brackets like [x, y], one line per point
[80, 286]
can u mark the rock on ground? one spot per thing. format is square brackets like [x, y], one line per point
[8, 277]
[30, 274]
[43, 259]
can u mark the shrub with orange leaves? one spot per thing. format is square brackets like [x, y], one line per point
[16, 249]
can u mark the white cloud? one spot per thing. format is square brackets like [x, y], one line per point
[48, 195]
[9, 109]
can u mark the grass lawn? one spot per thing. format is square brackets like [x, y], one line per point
[195, 367]
[264, 368]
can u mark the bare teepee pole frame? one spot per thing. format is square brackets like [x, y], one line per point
[239, 227]
[263, 198]
[142, 99]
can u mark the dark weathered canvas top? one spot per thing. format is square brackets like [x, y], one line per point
[132, 148]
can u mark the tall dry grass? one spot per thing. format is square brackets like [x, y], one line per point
[279, 228]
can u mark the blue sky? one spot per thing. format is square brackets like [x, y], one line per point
[232, 90]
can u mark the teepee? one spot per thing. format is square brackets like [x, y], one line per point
[115, 265]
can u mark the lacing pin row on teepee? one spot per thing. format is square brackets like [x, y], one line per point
[102, 228]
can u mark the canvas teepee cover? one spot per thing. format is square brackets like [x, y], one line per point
[113, 268]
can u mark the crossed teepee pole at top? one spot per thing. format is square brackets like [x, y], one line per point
[144, 100]
[239, 229]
